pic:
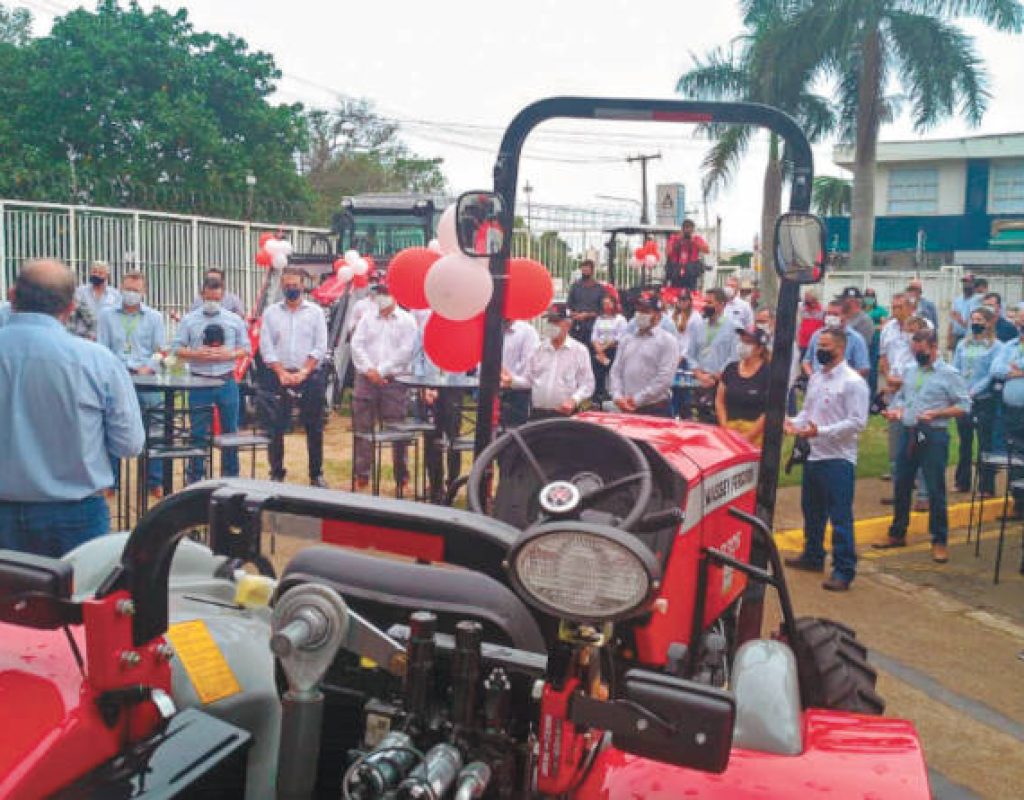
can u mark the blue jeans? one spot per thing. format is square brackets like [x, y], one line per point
[225, 398]
[929, 455]
[827, 495]
[155, 472]
[52, 528]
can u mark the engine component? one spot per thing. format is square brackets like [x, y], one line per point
[497, 693]
[473, 781]
[382, 768]
[419, 680]
[432, 779]
[466, 671]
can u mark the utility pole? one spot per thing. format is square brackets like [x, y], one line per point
[645, 218]
[528, 190]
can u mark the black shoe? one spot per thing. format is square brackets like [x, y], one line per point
[836, 585]
[805, 566]
[889, 544]
[887, 501]
[319, 481]
[277, 477]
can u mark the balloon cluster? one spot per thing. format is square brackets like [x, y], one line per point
[457, 289]
[273, 251]
[647, 255]
[355, 268]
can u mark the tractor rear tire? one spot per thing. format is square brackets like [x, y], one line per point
[834, 669]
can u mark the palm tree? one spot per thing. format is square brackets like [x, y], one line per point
[865, 44]
[756, 68]
[831, 196]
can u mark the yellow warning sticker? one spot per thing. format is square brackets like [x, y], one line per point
[203, 661]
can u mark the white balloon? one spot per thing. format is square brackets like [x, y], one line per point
[286, 247]
[361, 267]
[650, 260]
[434, 245]
[279, 260]
[351, 257]
[447, 238]
[457, 287]
[632, 263]
[345, 273]
[275, 246]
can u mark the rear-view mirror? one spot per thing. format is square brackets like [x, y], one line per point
[478, 221]
[800, 247]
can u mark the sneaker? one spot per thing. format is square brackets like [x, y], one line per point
[940, 555]
[889, 544]
[801, 564]
[319, 481]
[836, 585]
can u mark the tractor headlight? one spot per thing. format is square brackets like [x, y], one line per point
[583, 572]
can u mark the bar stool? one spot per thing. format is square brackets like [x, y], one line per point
[997, 462]
[420, 429]
[169, 439]
[380, 438]
[248, 441]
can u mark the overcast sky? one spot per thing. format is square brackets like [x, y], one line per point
[458, 71]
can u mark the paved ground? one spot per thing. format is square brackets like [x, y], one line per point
[945, 639]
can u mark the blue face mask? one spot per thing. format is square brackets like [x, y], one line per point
[293, 293]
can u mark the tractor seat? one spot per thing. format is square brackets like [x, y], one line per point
[386, 590]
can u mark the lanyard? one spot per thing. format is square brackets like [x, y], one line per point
[130, 323]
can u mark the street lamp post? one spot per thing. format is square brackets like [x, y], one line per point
[250, 193]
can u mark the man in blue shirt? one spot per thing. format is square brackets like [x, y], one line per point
[960, 312]
[134, 333]
[931, 394]
[973, 359]
[856, 348]
[66, 408]
[1008, 367]
[212, 339]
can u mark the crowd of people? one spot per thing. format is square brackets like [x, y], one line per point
[704, 356]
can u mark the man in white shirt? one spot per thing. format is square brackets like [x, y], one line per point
[645, 367]
[834, 414]
[558, 373]
[518, 346]
[293, 344]
[737, 309]
[383, 346]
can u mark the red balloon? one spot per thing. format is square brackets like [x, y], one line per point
[454, 346]
[264, 259]
[360, 281]
[266, 237]
[529, 289]
[407, 273]
[338, 264]
[639, 254]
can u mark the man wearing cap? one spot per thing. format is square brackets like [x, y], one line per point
[856, 348]
[854, 314]
[925, 307]
[558, 373]
[835, 412]
[961, 309]
[737, 308]
[643, 371]
[383, 346]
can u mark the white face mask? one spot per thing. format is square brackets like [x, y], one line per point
[552, 330]
[832, 321]
[643, 321]
[730, 292]
[744, 350]
[130, 298]
[211, 307]
[384, 301]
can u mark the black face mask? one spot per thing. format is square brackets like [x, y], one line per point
[968, 291]
[708, 312]
[977, 328]
[293, 293]
[923, 358]
[825, 357]
[97, 280]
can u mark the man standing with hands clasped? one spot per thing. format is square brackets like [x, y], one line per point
[642, 375]
[834, 414]
[931, 394]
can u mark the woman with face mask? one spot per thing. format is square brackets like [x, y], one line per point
[609, 328]
[973, 359]
[742, 395]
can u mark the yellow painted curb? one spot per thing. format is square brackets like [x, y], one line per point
[876, 529]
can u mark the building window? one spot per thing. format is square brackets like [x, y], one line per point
[913, 190]
[1006, 188]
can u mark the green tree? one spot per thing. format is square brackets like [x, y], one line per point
[131, 107]
[864, 45]
[756, 68]
[15, 25]
[353, 150]
[831, 196]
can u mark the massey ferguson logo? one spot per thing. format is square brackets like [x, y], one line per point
[727, 486]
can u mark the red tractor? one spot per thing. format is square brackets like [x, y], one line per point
[590, 628]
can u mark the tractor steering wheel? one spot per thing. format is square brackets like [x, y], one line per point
[558, 469]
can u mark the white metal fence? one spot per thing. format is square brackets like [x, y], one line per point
[172, 250]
